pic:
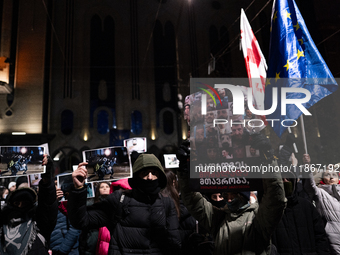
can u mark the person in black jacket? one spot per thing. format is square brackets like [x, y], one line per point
[25, 228]
[140, 221]
[301, 229]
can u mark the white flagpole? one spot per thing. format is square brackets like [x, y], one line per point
[294, 145]
[303, 133]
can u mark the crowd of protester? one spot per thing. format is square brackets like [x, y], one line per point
[157, 212]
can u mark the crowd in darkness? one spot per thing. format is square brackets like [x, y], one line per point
[156, 211]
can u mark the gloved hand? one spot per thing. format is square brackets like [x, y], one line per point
[49, 174]
[262, 143]
[183, 155]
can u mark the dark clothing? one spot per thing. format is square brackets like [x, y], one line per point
[88, 242]
[284, 155]
[247, 231]
[45, 216]
[144, 228]
[88, 237]
[47, 210]
[301, 230]
[64, 237]
[187, 226]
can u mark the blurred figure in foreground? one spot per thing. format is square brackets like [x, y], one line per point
[26, 227]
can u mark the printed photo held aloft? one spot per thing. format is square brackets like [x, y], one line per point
[65, 182]
[171, 161]
[109, 163]
[21, 160]
[137, 144]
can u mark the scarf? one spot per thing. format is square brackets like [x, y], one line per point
[17, 237]
[237, 204]
[148, 190]
[219, 204]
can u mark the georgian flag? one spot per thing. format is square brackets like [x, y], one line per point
[255, 62]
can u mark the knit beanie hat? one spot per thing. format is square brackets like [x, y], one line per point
[21, 180]
[246, 194]
[11, 184]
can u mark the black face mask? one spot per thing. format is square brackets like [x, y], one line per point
[237, 204]
[14, 212]
[219, 204]
[147, 186]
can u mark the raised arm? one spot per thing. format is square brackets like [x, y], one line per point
[197, 205]
[80, 215]
[272, 204]
[311, 188]
[47, 203]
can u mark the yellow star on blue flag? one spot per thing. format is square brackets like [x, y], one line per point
[295, 57]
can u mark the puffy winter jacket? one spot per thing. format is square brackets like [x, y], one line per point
[329, 209]
[246, 232]
[143, 229]
[103, 241]
[301, 230]
[64, 237]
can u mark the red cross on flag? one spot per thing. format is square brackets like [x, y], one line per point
[255, 62]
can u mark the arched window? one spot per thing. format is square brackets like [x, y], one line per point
[168, 122]
[102, 71]
[103, 122]
[165, 67]
[66, 122]
[136, 122]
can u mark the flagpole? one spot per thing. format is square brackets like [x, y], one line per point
[303, 133]
[294, 145]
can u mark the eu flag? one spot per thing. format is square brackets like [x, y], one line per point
[294, 61]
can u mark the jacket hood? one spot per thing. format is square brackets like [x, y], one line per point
[148, 161]
[331, 189]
